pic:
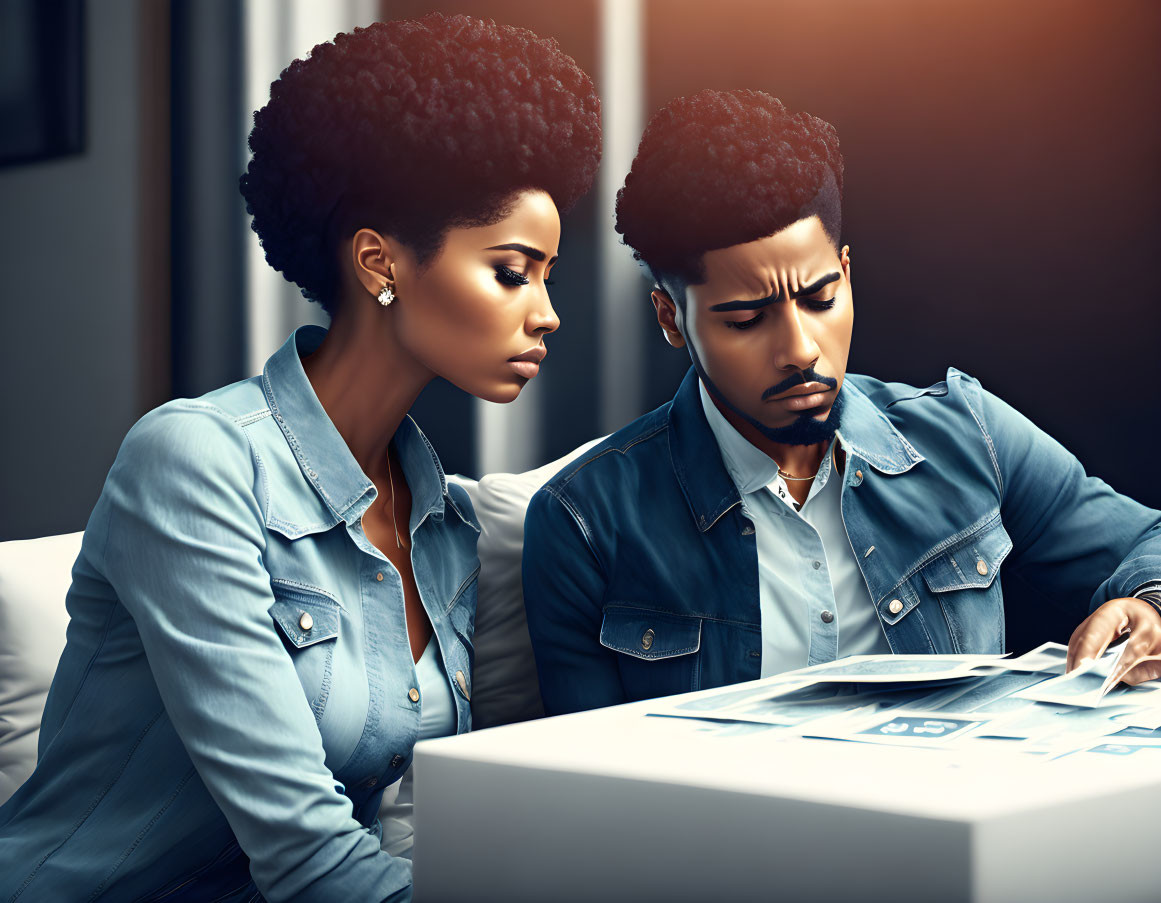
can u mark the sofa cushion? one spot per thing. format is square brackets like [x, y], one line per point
[505, 685]
[34, 578]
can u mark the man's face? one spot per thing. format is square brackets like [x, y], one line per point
[770, 330]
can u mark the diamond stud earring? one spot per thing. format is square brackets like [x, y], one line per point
[386, 294]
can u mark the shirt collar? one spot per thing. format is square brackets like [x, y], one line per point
[698, 459]
[321, 451]
[750, 468]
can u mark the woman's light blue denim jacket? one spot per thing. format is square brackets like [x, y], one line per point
[234, 694]
[975, 532]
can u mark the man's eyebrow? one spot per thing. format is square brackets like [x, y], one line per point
[817, 284]
[763, 302]
[746, 305]
[526, 250]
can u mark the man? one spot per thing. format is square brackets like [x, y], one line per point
[779, 512]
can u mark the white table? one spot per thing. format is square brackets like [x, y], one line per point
[614, 805]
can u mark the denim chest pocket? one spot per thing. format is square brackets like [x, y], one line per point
[658, 652]
[308, 619]
[964, 580]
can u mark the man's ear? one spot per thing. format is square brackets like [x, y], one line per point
[667, 317]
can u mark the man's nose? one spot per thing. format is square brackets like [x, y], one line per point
[797, 349]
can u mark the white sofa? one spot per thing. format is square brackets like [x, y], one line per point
[35, 575]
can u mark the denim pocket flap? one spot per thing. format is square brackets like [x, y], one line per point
[970, 564]
[304, 616]
[896, 604]
[649, 634]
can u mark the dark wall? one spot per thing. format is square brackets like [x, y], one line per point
[1003, 191]
[1003, 200]
[84, 282]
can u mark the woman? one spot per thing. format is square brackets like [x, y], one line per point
[276, 592]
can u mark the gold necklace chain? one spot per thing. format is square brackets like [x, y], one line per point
[786, 476]
[391, 483]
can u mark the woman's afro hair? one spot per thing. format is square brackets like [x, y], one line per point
[412, 127]
[722, 168]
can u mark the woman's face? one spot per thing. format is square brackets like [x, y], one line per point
[477, 313]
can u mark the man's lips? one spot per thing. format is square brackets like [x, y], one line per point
[804, 397]
[527, 364]
[801, 390]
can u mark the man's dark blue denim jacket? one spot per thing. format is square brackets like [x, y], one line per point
[641, 571]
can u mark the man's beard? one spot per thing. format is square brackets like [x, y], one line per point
[805, 430]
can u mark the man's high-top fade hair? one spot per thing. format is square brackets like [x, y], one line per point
[723, 168]
[412, 127]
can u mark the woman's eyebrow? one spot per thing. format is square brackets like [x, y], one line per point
[526, 250]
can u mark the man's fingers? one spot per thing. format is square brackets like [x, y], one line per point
[1142, 647]
[1149, 668]
[1138, 648]
[1094, 634]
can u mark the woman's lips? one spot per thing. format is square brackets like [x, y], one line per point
[526, 369]
[527, 364]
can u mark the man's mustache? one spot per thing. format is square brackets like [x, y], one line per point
[808, 375]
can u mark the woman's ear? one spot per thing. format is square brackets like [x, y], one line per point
[667, 317]
[373, 256]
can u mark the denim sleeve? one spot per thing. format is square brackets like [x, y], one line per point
[185, 557]
[564, 585]
[1072, 534]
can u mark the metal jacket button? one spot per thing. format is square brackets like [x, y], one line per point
[827, 616]
[305, 621]
[982, 568]
[895, 606]
[413, 694]
[647, 639]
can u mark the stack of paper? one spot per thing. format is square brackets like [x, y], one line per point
[1027, 704]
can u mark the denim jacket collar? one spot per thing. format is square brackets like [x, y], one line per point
[322, 453]
[868, 433]
[697, 461]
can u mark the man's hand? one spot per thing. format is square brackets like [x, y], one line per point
[1142, 659]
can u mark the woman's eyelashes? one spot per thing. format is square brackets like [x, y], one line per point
[508, 276]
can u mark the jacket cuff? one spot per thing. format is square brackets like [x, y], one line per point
[1151, 593]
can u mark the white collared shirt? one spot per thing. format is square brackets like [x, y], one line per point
[814, 603]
